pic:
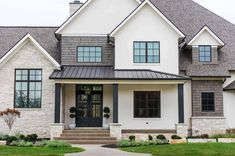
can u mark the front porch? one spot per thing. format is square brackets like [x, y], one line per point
[127, 111]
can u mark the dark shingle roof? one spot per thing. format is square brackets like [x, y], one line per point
[108, 73]
[190, 17]
[187, 15]
[9, 36]
[231, 86]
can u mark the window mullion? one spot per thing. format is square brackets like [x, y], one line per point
[146, 51]
[28, 89]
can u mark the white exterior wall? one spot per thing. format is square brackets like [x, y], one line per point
[147, 25]
[169, 107]
[70, 98]
[205, 39]
[229, 103]
[100, 17]
[32, 120]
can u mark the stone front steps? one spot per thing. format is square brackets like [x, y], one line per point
[87, 136]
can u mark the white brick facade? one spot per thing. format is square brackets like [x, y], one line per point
[32, 120]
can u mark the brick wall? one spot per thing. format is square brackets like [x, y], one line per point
[195, 56]
[207, 86]
[69, 46]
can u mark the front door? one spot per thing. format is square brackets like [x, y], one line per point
[89, 106]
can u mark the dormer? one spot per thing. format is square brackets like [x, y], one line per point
[205, 45]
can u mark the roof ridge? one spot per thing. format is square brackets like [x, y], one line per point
[29, 26]
[215, 14]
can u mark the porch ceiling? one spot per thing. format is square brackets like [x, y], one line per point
[108, 73]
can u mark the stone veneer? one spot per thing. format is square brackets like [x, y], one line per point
[207, 86]
[69, 46]
[208, 125]
[36, 120]
[195, 56]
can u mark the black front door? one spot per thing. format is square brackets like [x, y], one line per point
[89, 106]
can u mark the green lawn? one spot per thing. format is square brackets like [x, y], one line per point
[37, 151]
[207, 149]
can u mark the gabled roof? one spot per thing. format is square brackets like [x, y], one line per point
[58, 31]
[213, 35]
[147, 2]
[45, 36]
[21, 43]
[108, 73]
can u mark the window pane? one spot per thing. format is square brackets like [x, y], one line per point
[204, 53]
[89, 54]
[146, 104]
[26, 88]
[208, 102]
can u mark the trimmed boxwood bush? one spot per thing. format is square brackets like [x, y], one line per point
[176, 137]
[127, 143]
[132, 138]
[55, 143]
[150, 137]
[161, 137]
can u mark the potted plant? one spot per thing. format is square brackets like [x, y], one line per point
[106, 117]
[72, 115]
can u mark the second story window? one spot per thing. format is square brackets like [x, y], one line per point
[205, 53]
[89, 54]
[146, 52]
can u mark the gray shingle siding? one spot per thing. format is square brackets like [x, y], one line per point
[69, 46]
[207, 86]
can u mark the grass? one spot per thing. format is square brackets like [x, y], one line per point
[37, 151]
[206, 149]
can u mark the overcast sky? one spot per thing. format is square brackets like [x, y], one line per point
[55, 12]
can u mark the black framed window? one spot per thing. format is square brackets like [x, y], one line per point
[147, 104]
[146, 52]
[89, 54]
[205, 53]
[208, 102]
[28, 88]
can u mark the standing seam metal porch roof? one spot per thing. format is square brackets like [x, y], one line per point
[108, 73]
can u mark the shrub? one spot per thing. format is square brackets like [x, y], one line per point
[204, 136]
[132, 138]
[161, 137]
[222, 136]
[11, 139]
[127, 143]
[31, 138]
[40, 143]
[21, 143]
[150, 137]
[9, 116]
[176, 137]
[20, 137]
[4, 137]
[55, 144]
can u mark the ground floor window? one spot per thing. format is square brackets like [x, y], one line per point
[208, 102]
[147, 104]
[28, 88]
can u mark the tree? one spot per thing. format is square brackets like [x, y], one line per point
[9, 116]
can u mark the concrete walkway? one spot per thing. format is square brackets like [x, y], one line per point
[98, 150]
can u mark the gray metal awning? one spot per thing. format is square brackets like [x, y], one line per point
[108, 73]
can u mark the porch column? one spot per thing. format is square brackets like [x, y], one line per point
[57, 102]
[115, 103]
[181, 102]
[181, 127]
